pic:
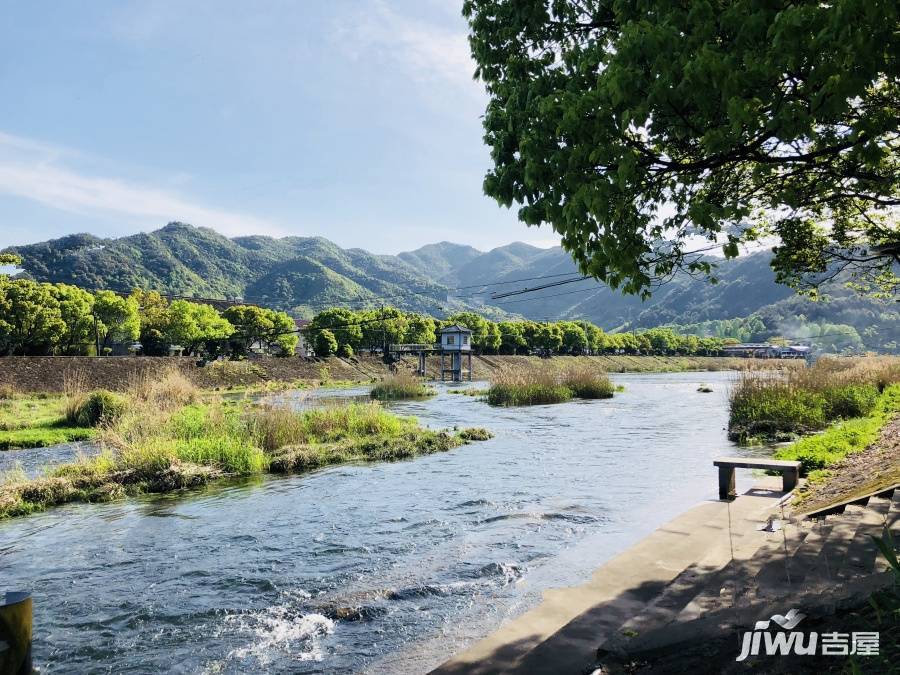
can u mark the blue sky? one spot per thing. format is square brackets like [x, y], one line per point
[357, 120]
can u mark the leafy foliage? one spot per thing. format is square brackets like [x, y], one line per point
[741, 118]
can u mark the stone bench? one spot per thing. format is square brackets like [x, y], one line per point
[790, 472]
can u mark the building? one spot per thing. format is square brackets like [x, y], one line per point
[456, 343]
[764, 350]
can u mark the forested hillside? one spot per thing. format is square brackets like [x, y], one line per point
[306, 274]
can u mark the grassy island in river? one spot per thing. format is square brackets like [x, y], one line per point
[166, 437]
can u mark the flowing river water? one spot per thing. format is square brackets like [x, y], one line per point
[382, 567]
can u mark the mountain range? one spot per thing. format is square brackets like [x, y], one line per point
[306, 274]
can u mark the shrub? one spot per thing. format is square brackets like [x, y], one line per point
[345, 351]
[475, 434]
[775, 410]
[94, 409]
[589, 383]
[852, 400]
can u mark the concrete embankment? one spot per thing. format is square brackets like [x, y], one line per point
[49, 373]
[703, 578]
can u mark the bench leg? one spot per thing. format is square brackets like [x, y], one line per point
[726, 482]
[789, 479]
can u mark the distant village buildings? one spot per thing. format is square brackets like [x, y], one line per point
[764, 350]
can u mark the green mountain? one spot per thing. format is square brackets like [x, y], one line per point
[306, 274]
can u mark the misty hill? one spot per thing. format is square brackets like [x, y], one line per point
[306, 274]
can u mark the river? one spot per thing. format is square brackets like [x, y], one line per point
[384, 567]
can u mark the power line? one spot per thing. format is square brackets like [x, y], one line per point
[552, 295]
[522, 291]
[513, 281]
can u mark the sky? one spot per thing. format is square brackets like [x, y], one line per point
[356, 120]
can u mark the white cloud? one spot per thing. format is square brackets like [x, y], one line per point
[428, 52]
[34, 170]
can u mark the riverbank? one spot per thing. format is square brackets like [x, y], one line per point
[48, 374]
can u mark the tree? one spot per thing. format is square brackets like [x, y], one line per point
[662, 340]
[593, 335]
[76, 308]
[492, 338]
[632, 129]
[343, 324]
[192, 325]
[30, 318]
[420, 330]
[266, 327]
[324, 343]
[284, 338]
[548, 337]
[386, 325]
[117, 318]
[512, 337]
[153, 312]
[250, 323]
[574, 339]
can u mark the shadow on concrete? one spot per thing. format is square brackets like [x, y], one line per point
[644, 623]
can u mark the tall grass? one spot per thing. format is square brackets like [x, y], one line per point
[548, 383]
[771, 405]
[74, 388]
[169, 389]
[276, 427]
[400, 386]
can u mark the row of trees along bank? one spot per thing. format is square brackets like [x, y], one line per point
[344, 332]
[38, 319]
[59, 319]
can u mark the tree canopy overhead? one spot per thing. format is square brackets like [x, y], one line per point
[639, 129]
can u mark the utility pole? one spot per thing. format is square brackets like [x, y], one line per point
[96, 334]
[384, 342]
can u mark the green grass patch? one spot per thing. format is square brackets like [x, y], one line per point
[37, 421]
[24, 411]
[43, 436]
[839, 440]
